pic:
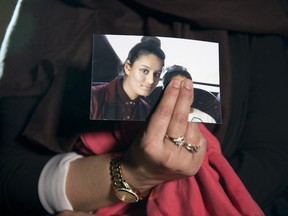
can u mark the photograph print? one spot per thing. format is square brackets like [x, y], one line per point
[130, 72]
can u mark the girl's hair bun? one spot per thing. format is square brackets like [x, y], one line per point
[150, 39]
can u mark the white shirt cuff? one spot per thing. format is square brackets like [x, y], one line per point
[52, 183]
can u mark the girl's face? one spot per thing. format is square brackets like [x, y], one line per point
[143, 76]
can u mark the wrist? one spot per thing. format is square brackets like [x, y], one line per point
[125, 191]
[138, 172]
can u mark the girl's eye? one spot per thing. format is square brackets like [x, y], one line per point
[145, 71]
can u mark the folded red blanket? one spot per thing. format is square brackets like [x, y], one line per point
[214, 190]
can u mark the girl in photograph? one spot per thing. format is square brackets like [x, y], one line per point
[120, 99]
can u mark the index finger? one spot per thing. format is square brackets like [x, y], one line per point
[160, 119]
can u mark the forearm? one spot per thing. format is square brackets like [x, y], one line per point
[88, 183]
[89, 187]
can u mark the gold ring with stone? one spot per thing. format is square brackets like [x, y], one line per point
[178, 141]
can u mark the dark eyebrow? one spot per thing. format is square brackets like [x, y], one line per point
[147, 67]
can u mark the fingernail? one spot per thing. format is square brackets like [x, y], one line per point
[188, 84]
[176, 83]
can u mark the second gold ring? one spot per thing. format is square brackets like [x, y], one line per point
[191, 148]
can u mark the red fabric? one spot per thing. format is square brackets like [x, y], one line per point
[214, 190]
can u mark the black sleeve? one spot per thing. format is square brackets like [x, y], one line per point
[261, 159]
[21, 162]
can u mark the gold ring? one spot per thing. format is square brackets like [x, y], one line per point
[191, 148]
[178, 141]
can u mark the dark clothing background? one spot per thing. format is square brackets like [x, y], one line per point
[45, 87]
